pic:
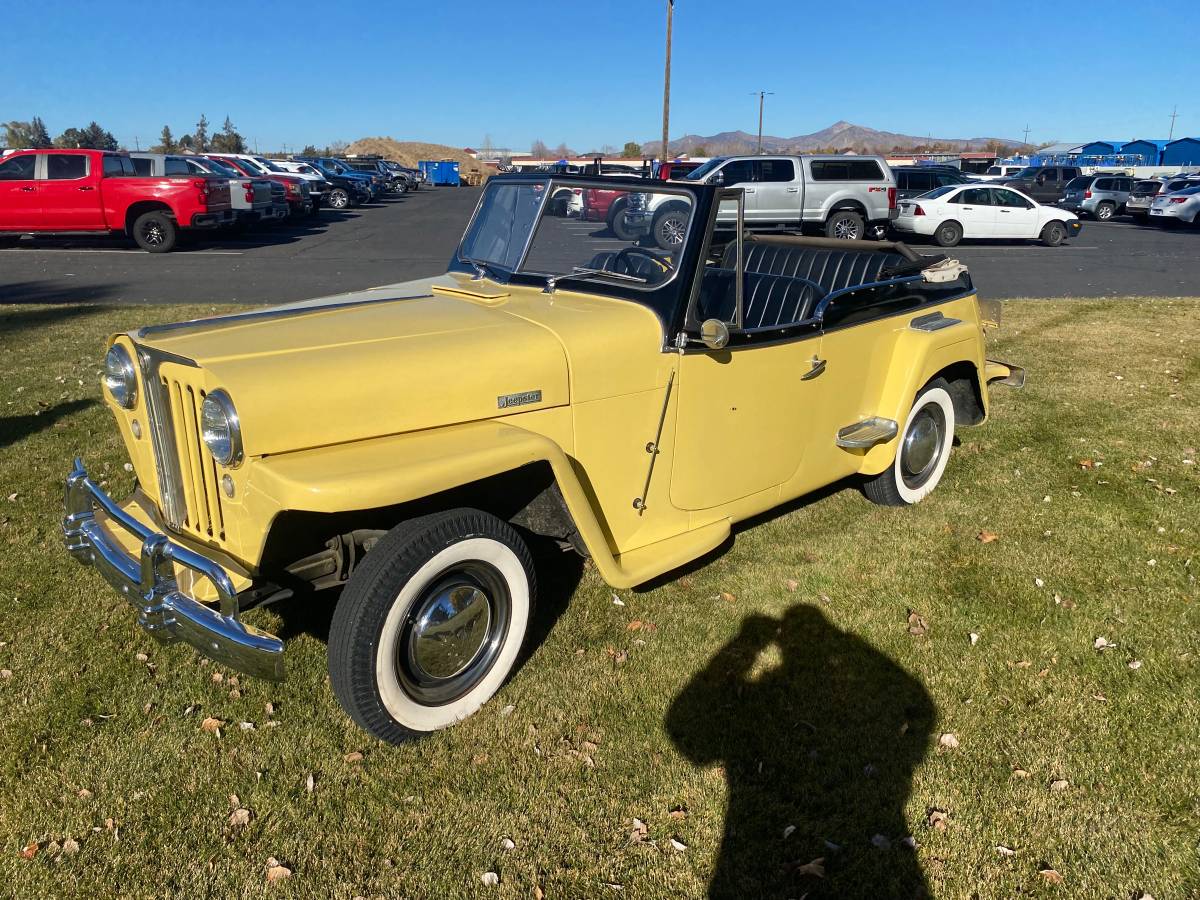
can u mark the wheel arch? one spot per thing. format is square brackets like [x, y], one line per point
[142, 207]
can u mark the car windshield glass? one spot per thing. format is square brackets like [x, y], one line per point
[994, 170]
[940, 191]
[1147, 187]
[703, 172]
[270, 166]
[613, 236]
[250, 166]
[220, 168]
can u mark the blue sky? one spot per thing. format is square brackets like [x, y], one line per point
[590, 72]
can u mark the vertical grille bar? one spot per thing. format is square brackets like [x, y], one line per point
[166, 463]
[187, 438]
[207, 468]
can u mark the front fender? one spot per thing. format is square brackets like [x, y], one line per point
[399, 468]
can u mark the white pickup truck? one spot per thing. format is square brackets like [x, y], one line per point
[847, 197]
[251, 198]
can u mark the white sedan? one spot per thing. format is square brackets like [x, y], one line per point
[949, 214]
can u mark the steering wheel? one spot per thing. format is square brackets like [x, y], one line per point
[640, 251]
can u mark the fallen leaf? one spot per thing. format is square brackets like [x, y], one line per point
[728, 597]
[276, 871]
[678, 813]
[908, 842]
[141, 657]
[792, 584]
[1037, 582]
[1058, 785]
[1020, 773]
[1135, 664]
[974, 638]
[1051, 876]
[640, 831]
[1087, 464]
[816, 868]
[84, 793]
[617, 601]
[787, 832]
[5, 674]
[352, 757]
[635, 625]
[491, 879]
[30, 850]
[677, 846]
[949, 740]
[1005, 851]
[70, 847]
[938, 819]
[507, 844]
[916, 624]
[507, 711]
[986, 537]
[211, 725]
[240, 817]
[1102, 644]
[309, 783]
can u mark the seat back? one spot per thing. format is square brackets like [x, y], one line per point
[767, 300]
[833, 270]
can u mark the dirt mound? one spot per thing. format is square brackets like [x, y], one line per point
[409, 153]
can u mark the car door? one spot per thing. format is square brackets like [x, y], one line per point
[972, 208]
[1047, 187]
[777, 190]
[68, 195]
[1015, 216]
[19, 204]
[737, 173]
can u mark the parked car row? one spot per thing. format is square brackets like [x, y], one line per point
[155, 197]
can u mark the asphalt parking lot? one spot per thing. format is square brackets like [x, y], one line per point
[413, 237]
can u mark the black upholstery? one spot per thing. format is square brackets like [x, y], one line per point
[767, 301]
[831, 269]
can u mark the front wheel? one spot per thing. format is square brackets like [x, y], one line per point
[670, 228]
[1053, 234]
[339, 199]
[155, 232]
[922, 453]
[430, 625]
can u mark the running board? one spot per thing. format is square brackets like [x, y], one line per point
[867, 433]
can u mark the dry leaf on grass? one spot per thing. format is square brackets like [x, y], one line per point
[1135, 664]
[1020, 773]
[1051, 875]
[792, 584]
[70, 847]
[276, 871]
[986, 537]
[1005, 851]
[787, 832]
[728, 597]
[240, 817]
[352, 757]
[938, 819]
[816, 868]
[677, 845]
[29, 851]
[491, 879]
[309, 783]
[212, 726]
[916, 624]
[507, 844]
[949, 741]
[640, 831]
[1058, 785]
[1102, 644]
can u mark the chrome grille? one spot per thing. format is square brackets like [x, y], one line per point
[187, 473]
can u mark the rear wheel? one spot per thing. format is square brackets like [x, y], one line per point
[948, 234]
[1105, 211]
[670, 228]
[155, 232]
[621, 229]
[923, 451]
[846, 225]
[1053, 234]
[430, 625]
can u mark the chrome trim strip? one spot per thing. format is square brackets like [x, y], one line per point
[238, 318]
[867, 433]
[148, 583]
[934, 321]
[162, 439]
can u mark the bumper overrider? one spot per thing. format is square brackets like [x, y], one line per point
[148, 583]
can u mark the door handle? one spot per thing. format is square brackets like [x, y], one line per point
[793, 190]
[1006, 211]
[748, 190]
[818, 366]
[969, 208]
[27, 190]
[86, 187]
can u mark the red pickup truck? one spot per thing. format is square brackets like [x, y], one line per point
[65, 191]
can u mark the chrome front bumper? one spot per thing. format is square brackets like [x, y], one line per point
[148, 583]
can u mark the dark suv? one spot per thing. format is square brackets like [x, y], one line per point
[1045, 184]
[912, 181]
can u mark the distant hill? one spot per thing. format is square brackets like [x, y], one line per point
[839, 136]
[409, 153]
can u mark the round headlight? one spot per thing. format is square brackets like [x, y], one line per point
[220, 430]
[119, 376]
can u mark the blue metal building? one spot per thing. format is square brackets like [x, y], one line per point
[1182, 152]
[1148, 149]
[1100, 148]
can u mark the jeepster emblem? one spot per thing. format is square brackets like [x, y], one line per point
[522, 399]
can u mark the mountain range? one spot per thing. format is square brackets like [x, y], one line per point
[839, 136]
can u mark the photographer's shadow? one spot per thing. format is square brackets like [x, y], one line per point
[818, 733]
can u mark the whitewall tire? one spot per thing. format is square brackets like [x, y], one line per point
[431, 624]
[922, 451]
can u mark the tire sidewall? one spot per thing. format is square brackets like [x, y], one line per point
[170, 233]
[953, 234]
[1054, 234]
[941, 397]
[659, 222]
[419, 717]
[848, 215]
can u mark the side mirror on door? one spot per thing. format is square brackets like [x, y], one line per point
[717, 178]
[1041, 179]
[714, 334]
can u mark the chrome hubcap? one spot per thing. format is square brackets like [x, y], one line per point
[845, 229]
[453, 633]
[922, 445]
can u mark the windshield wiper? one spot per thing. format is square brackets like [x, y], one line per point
[621, 276]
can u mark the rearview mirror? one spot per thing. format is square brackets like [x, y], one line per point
[714, 334]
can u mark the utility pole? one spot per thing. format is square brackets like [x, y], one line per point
[762, 95]
[1174, 116]
[136, 145]
[667, 86]
[1026, 135]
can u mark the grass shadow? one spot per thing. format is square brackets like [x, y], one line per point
[17, 428]
[818, 733]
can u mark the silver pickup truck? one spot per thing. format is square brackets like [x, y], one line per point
[848, 197]
[253, 205]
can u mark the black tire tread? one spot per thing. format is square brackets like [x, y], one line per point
[369, 595]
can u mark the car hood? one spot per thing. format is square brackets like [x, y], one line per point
[365, 365]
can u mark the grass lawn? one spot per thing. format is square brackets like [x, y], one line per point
[816, 691]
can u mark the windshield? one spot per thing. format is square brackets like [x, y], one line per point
[994, 170]
[306, 169]
[615, 236]
[705, 170]
[249, 165]
[268, 165]
[220, 168]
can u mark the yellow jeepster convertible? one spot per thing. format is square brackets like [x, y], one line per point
[400, 445]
